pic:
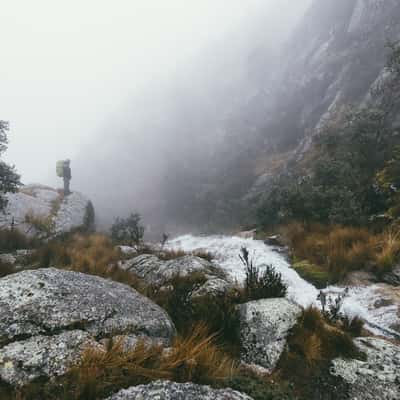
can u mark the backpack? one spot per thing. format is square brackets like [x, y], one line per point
[60, 168]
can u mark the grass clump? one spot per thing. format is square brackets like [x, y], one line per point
[103, 371]
[338, 250]
[312, 344]
[92, 254]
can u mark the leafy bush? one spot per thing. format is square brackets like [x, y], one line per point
[128, 230]
[261, 285]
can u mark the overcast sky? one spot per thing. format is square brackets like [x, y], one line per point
[67, 66]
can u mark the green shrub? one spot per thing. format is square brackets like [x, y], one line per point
[261, 285]
[128, 230]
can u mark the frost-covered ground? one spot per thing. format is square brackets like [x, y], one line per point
[361, 301]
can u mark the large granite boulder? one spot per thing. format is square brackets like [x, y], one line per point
[378, 377]
[165, 390]
[41, 211]
[49, 314]
[264, 326]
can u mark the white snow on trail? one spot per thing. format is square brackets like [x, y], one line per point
[226, 250]
[360, 301]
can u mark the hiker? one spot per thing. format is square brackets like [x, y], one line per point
[64, 171]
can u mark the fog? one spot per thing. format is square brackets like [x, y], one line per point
[132, 91]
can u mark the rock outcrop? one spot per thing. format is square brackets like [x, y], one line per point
[157, 272]
[264, 326]
[165, 390]
[378, 377]
[48, 315]
[38, 210]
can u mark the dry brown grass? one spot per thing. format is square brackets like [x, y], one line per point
[195, 358]
[103, 371]
[388, 250]
[341, 250]
[92, 254]
[313, 343]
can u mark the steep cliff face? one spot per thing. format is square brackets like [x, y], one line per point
[336, 56]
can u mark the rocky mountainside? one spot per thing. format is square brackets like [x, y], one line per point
[336, 55]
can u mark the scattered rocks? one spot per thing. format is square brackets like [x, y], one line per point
[264, 328]
[46, 310]
[165, 390]
[376, 378]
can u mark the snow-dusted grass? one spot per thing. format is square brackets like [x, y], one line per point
[226, 249]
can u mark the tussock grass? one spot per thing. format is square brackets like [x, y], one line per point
[339, 250]
[92, 254]
[103, 371]
[312, 344]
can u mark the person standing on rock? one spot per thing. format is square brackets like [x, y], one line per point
[64, 171]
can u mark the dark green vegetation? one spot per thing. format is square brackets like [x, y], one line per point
[261, 285]
[9, 179]
[349, 174]
[128, 230]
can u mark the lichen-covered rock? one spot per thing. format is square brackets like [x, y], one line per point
[155, 271]
[376, 378]
[47, 312]
[165, 390]
[48, 300]
[24, 361]
[58, 214]
[264, 326]
[213, 287]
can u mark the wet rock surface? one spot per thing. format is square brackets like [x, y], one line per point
[165, 390]
[264, 326]
[64, 306]
[378, 377]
